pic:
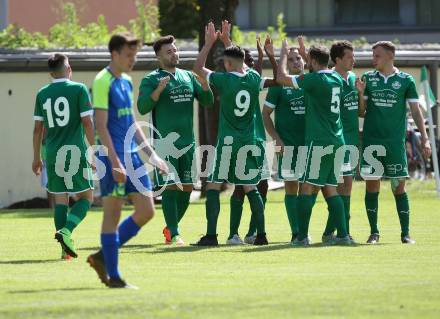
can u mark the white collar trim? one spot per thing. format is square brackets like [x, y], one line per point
[60, 80]
[238, 74]
[325, 71]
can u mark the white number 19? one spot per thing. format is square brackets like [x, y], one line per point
[62, 114]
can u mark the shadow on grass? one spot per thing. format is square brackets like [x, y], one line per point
[52, 290]
[125, 247]
[286, 245]
[35, 213]
[26, 261]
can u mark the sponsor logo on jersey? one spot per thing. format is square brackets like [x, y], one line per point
[396, 85]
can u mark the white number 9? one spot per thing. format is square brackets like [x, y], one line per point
[62, 113]
[242, 106]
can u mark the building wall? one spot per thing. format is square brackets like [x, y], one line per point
[327, 14]
[18, 181]
[42, 14]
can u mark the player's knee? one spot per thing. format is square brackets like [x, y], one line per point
[397, 186]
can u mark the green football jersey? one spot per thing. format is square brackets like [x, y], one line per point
[385, 118]
[61, 105]
[290, 109]
[174, 111]
[239, 100]
[349, 110]
[323, 91]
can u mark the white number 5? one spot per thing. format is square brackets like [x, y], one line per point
[243, 107]
[336, 100]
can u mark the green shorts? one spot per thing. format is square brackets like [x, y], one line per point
[350, 161]
[348, 167]
[182, 170]
[235, 164]
[65, 178]
[265, 172]
[393, 164]
[321, 170]
[291, 165]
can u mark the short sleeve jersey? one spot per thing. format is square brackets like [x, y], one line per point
[174, 111]
[387, 97]
[239, 100]
[323, 91]
[61, 105]
[290, 109]
[349, 110]
[115, 95]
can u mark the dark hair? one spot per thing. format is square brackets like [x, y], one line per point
[338, 49]
[387, 45]
[320, 54]
[157, 45]
[234, 52]
[56, 62]
[117, 41]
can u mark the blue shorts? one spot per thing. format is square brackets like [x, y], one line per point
[108, 185]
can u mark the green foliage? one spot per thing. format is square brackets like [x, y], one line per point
[14, 37]
[69, 33]
[237, 35]
[179, 17]
[145, 24]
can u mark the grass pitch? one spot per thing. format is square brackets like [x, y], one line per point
[388, 280]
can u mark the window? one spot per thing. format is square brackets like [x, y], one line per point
[369, 12]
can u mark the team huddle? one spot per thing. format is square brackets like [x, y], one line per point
[315, 128]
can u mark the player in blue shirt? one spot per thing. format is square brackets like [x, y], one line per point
[114, 115]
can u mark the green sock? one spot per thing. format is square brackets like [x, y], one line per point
[305, 205]
[372, 206]
[337, 215]
[169, 207]
[257, 209]
[60, 216]
[212, 210]
[330, 226]
[77, 214]
[182, 204]
[290, 201]
[253, 223]
[346, 202]
[402, 205]
[314, 196]
[235, 215]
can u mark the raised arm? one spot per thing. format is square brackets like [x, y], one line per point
[203, 91]
[225, 34]
[302, 49]
[420, 123]
[210, 37]
[270, 52]
[259, 64]
[283, 77]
